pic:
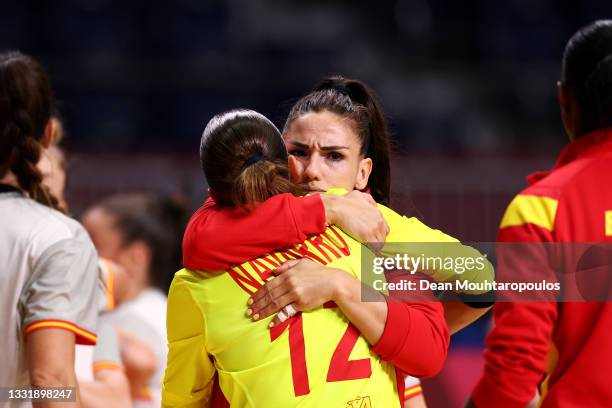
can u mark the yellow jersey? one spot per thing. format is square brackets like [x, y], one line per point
[314, 359]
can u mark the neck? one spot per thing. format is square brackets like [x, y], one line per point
[135, 289]
[10, 179]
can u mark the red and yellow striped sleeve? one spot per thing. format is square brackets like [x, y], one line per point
[82, 336]
[413, 391]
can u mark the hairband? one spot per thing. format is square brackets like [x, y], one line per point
[252, 159]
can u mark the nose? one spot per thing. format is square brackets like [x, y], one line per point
[312, 168]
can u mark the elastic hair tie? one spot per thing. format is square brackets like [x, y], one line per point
[252, 160]
[335, 86]
[341, 88]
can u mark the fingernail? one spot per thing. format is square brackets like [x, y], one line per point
[256, 316]
[249, 312]
[271, 324]
[250, 301]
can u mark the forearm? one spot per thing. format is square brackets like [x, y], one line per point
[412, 336]
[458, 315]
[418, 401]
[110, 389]
[139, 362]
[368, 317]
[50, 359]
[56, 380]
[331, 208]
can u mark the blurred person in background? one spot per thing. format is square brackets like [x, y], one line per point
[52, 163]
[140, 232]
[562, 348]
[99, 370]
[48, 285]
[337, 136]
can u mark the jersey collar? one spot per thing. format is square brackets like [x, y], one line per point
[7, 188]
[587, 145]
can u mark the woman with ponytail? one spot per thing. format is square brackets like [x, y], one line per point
[336, 136]
[316, 358]
[49, 266]
[349, 100]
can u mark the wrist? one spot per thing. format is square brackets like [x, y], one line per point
[342, 286]
[330, 205]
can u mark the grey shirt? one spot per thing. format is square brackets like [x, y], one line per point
[48, 278]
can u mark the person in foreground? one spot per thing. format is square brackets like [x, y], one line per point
[315, 358]
[48, 279]
[564, 348]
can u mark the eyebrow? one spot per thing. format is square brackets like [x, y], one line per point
[324, 148]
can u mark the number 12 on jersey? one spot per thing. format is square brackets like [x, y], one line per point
[340, 367]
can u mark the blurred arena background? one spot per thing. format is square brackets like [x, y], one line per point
[469, 88]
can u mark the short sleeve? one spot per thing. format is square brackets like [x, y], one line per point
[62, 291]
[107, 354]
[412, 387]
[107, 275]
[189, 376]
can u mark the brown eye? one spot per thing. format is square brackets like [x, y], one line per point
[335, 156]
[297, 153]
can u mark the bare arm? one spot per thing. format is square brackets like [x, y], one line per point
[357, 215]
[138, 359]
[410, 335]
[308, 285]
[458, 315]
[418, 401]
[110, 388]
[368, 317]
[50, 361]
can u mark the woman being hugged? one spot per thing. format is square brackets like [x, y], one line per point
[49, 275]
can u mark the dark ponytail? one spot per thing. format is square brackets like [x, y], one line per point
[587, 71]
[353, 99]
[244, 159]
[26, 103]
